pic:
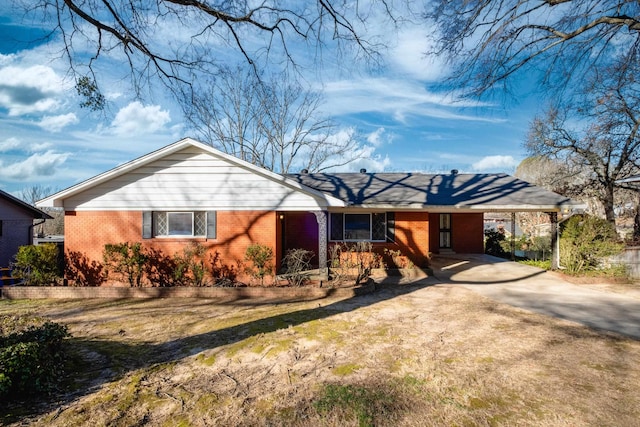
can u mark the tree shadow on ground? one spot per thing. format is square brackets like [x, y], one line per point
[98, 361]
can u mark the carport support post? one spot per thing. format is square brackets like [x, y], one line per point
[323, 270]
[555, 247]
[513, 236]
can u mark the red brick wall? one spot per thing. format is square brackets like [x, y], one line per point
[412, 236]
[87, 232]
[467, 232]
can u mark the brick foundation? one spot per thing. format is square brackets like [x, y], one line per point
[274, 294]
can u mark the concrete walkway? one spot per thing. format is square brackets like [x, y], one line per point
[537, 290]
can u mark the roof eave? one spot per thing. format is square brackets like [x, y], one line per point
[57, 199]
[563, 207]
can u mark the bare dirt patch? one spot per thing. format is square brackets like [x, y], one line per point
[405, 355]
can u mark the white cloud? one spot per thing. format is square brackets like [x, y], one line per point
[495, 162]
[36, 165]
[378, 137]
[10, 144]
[370, 161]
[409, 55]
[33, 89]
[57, 123]
[135, 119]
[395, 97]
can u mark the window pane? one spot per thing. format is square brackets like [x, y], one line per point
[445, 239]
[180, 223]
[160, 223]
[357, 226]
[336, 227]
[378, 226]
[200, 223]
[445, 221]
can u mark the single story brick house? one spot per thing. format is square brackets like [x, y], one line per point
[191, 192]
[16, 226]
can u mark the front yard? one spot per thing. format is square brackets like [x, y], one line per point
[412, 355]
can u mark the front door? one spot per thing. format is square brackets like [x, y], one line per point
[445, 231]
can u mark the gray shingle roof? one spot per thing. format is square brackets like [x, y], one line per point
[34, 212]
[416, 190]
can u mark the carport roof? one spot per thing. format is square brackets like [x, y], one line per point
[441, 192]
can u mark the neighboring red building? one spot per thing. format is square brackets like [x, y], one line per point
[189, 191]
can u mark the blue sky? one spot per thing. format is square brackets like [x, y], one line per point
[402, 123]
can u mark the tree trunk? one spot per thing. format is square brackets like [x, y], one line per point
[608, 204]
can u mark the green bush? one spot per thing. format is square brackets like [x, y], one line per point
[126, 259]
[37, 265]
[586, 242]
[261, 257]
[31, 361]
[189, 266]
[494, 242]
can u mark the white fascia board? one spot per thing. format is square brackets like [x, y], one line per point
[57, 200]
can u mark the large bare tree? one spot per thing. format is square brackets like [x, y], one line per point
[272, 122]
[175, 41]
[598, 135]
[491, 43]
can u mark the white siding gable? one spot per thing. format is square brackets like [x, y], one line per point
[194, 179]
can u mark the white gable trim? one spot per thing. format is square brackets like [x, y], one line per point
[57, 200]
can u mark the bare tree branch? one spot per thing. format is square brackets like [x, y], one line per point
[273, 123]
[489, 42]
[141, 32]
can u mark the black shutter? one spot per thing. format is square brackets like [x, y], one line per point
[211, 224]
[391, 226]
[147, 224]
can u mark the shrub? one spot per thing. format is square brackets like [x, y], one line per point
[261, 257]
[159, 268]
[297, 264]
[493, 243]
[189, 267]
[82, 271]
[359, 256]
[126, 259]
[37, 265]
[222, 274]
[31, 361]
[585, 243]
[398, 259]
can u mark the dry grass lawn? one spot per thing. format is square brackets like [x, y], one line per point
[406, 356]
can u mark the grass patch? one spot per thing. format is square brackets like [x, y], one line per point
[344, 370]
[544, 264]
[361, 403]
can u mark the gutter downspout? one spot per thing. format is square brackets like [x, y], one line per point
[31, 227]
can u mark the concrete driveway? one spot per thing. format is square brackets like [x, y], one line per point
[537, 290]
